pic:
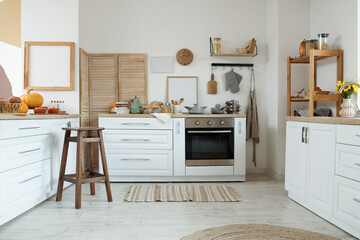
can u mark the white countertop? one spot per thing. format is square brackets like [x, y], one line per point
[173, 115]
[20, 116]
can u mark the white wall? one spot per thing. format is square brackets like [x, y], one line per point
[283, 16]
[161, 28]
[339, 19]
[55, 21]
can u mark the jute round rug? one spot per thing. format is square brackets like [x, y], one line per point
[255, 232]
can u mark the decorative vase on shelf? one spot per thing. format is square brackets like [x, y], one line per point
[347, 108]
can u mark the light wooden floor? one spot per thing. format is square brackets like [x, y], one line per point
[263, 201]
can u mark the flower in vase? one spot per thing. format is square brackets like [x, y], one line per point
[348, 90]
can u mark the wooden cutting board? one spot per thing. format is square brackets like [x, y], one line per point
[212, 85]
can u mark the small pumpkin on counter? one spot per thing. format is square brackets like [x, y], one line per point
[33, 100]
[24, 108]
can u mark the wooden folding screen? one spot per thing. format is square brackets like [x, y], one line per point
[109, 78]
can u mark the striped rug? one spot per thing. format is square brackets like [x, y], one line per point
[181, 193]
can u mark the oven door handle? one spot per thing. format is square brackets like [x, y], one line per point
[216, 131]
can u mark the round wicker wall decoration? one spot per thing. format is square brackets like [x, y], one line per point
[184, 56]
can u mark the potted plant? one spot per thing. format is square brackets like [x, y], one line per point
[346, 89]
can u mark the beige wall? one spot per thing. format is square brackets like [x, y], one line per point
[10, 22]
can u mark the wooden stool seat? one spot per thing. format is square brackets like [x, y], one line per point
[79, 178]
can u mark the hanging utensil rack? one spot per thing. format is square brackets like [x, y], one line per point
[232, 65]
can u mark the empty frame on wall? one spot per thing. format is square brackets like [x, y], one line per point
[49, 66]
[183, 87]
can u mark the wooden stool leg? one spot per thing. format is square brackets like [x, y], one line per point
[104, 163]
[63, 166]
[91, 167]
[78, 170]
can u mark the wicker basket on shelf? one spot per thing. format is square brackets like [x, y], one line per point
[10, 107]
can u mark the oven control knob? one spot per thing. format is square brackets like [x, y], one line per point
[197, 123]
[209, 122]
[222, 122]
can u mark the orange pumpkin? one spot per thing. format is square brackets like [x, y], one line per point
[24, 108]
[33, 100]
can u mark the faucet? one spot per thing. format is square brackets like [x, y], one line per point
[347, 84]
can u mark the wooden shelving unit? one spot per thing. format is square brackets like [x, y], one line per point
[315, 55]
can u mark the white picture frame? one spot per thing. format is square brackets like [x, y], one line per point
[49, 66]
[183, 87]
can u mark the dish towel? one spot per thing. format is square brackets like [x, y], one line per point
[233, 81]
[252, 124]
[163, 117]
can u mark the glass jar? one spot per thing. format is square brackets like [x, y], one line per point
[166, 108]
[311, 44]
[217, 45]
[323, 44]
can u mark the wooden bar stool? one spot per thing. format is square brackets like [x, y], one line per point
[83, 136]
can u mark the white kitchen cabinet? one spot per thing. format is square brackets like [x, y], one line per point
[30, 152]
[320, 166]
[138, 147]
[140, 162]
[240, 148]
[135, 139]
[310, 160]
[145, 149]
[347, 203]
[348, 161]
[146, 123]
[23, 188]
[296, 155]
[179, 146]
[322, 171]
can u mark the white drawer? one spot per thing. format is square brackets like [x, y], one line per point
[23, 185]
[137, 139]
[140, 163]
[348, 161]
[134, 123]
[348, 134]
[22, 128]
[17, 152]
[347, 201]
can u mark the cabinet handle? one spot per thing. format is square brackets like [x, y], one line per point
[302, 135]
[239, 127]
[357, 164]
[215, 131]
[135, 123]
[28, 128]
[356, 200]
[306, 135]
[178, 127]
[140, 139]
[129, 159]
[26, 180]
[32, 150]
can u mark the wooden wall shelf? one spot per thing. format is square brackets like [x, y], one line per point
[318, 55]
[315, 55]
[232, 55]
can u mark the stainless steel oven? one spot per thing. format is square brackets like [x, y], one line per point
[209, 141]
